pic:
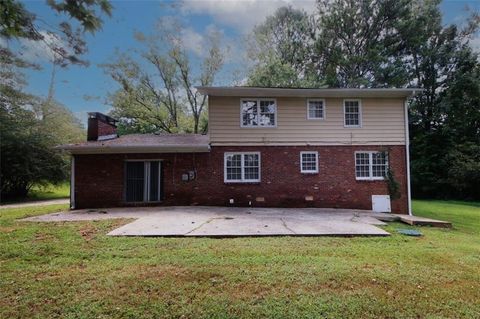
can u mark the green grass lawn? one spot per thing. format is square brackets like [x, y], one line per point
[72, 270]
[50, 192]
[38, 193]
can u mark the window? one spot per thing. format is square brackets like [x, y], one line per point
[315, 109]
[258, 112]
[309, 162]
[142, 181]
[371, 165]
[242, 167]
[352, 111]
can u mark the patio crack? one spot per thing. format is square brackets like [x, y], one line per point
[285, 225]
[203, 224]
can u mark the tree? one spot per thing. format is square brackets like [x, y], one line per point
[163, 99]
[445, 153]
[27, 153]
[26, 145]
[358, 42]
[281, 50]
[18, 23]
[138, 104]
[30, 127]
[346, 43]
[276, 73]
[65, 43]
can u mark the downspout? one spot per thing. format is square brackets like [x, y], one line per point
[407, 152]
[72, 183]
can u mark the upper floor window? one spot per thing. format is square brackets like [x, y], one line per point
[371, 165]
[309, 162]
[242, 167]
[315, 109]
[352, 111]
[258, 112]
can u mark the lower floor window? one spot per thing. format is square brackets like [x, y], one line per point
[371, 165]
[142, 181]
[309, 162]
[242, 167]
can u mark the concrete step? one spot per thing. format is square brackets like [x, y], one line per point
[422, 221]
[385, 217]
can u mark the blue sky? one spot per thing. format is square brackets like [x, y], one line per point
[84, 89]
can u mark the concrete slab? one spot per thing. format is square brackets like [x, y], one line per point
[334, 227]
[241, 226]
[422, 221]
[385, 217]
[229, 221]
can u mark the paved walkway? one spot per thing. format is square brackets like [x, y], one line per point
[38, 203]
[230, 221]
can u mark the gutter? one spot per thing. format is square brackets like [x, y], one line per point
[111, 149]
[72, 183]
[407, 152]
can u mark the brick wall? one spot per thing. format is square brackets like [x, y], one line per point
[106, 129]
[97, 128]
[100, 178]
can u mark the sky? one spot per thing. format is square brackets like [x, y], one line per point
[85, 89]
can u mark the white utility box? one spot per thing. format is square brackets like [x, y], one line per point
[381, 204]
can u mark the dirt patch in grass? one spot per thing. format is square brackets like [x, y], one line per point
[90, 230]
[5, 229]
[43, 236]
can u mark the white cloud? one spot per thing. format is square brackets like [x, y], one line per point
[475, 43]
[198, 42]
[242, 14]
[40, 51]
[193, 41]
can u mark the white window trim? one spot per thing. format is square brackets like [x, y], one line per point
[370, 166]
[360, 113]
[324, 109]
[242, 163]
[258, 112]
[301, 162]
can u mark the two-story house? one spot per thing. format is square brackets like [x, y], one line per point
[337, 148]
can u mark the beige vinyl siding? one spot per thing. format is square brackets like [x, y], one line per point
[382, 123]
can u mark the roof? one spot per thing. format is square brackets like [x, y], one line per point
[143, 143]
[249, 91]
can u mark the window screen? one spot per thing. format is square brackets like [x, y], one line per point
[315, 109]
[309, 162]
[142, 181]
[242, 167]
[259, 112]
[371, 165]
[135, 181]
[352, 113]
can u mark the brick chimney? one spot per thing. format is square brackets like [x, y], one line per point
[101, 127]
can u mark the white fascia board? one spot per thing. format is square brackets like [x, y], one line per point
[307, 92]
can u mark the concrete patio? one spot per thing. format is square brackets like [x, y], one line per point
[230, 221]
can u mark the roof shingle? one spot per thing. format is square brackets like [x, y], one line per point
[143, 143]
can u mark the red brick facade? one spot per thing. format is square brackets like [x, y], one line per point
[99, 179]
[98, 128]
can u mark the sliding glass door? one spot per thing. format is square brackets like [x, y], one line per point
[142, 181]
